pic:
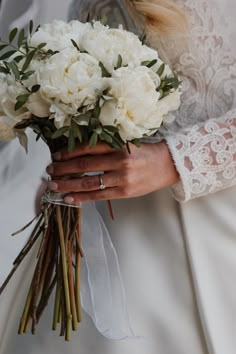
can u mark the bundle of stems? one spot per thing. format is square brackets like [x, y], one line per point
[58, 266]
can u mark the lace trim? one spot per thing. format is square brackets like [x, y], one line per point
[205, 157]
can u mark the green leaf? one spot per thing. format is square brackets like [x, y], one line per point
[75, 44]
[25, 76]
[18, 105]
[105, 136]
[152, 63]
[94, 123]
[119, 62]
[41, 45]
[77, 131]
[31, 26]
[111, 128]
[18, 58]
[145, 63]
[28, 60]
[35, 88]
[21, 38]
[93, 140]
[149, 63]
[60, 132]
[12, 34]
[4, 70]
[21, 100]
[161, 70]
[3, 46]
[136, 142]
[105, 73]
[7, 54]
[98, 130]
[71, 140]
[96, 112]
[23, 139]
[38, 136]
[83, 118]
[23, 124]
[14, 68]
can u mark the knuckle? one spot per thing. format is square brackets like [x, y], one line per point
[88, 183]
[82, 164]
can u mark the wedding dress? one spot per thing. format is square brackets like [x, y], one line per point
[178, 260]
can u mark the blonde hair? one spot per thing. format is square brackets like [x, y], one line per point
[162, 16]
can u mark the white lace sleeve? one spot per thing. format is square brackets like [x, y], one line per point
[205, 157]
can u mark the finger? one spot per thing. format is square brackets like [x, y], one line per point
[107, 194]
[85, 164]
[82, 150]
[85, 184]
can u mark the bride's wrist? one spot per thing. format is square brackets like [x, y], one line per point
[170, 175]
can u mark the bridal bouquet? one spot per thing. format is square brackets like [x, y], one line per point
[75, 83]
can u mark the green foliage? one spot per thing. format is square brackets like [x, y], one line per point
[105, 72]
[21, 100]
[75, 44]
[13, 34]
[85, 126]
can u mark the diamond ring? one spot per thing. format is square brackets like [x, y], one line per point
[102, 185]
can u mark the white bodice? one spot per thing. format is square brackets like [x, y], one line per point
[204, 149]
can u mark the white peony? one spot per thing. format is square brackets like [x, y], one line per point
[6, 132]
[58, 34]
[70, 80]
[169, 104]
[106, 44]
[9, 90]
[149, 54]
[134, 107]
[37, 106]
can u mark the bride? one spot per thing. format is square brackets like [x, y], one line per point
[176, 250]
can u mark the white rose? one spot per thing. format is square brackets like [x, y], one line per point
[70, 80]
[58, 34]
[106, 44]
[134, 107]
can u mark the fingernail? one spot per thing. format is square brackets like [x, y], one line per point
[53, 186]
[56, 156]
[50, 169]
[69, 200]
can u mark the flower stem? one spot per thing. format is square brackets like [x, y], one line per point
[77, 268]
[65, 275]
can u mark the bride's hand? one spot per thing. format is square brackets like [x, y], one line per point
[146, 169]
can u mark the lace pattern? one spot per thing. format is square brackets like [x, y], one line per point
[205, 156]
[204, 149]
